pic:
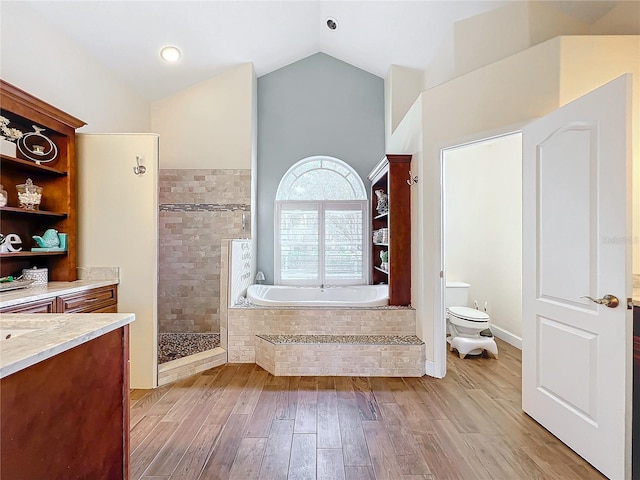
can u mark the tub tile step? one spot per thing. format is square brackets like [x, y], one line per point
[341, 355]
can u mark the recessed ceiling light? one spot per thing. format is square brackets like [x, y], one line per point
[332, 23]
[170, 54]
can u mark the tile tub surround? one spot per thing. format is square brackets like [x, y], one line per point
[341, 355]
[51, 334]
[172, 346]
[245, 323]
[343, 339]
[198, 208]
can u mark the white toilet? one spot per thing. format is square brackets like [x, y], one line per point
[465, 323]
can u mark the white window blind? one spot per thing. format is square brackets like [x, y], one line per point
[299, 249]
[343, 240]
[320, 242]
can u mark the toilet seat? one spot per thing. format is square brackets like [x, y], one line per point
[470, 314]
[469, 318]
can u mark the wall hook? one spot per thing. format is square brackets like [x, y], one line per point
[139, 169]
[412, 179]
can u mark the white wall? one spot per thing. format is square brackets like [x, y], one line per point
[44, 62]
[403, 86]
[483, 226]
[480, 40]
[494, 99]
[118, 226]
[408, 138]
[614, 55]
[210, 124]
[623, 19]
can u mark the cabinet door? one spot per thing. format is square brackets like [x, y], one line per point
[93, 300]
[109, 309]
[38, 306]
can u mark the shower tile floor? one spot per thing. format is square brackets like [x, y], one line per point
[172, 346]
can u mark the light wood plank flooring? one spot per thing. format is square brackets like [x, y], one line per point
[239, 422]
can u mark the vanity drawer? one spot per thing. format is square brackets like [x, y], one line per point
[47, 305]
[103, 299]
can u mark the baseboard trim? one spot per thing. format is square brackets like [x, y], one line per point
[431, 370]
[507, 336]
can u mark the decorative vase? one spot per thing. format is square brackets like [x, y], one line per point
[383, 202]
[29, 195]
[7, 147]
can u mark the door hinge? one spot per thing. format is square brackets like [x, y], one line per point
[629, 303]
[441, 274]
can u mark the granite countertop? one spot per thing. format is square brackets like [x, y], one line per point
[37, 337]
[51, 289]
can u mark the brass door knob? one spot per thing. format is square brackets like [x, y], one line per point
[610, 301]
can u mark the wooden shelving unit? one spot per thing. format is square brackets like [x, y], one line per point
[391, 175]
[22, 211]
[58, 179]
[30, 166]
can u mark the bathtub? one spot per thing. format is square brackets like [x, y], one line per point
[347, 296]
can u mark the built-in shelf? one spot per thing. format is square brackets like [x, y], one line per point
[22, 211]
[57, 178]
[30, 254]
[390, 176]
[31, 166]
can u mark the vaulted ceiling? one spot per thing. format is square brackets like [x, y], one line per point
[213, 35]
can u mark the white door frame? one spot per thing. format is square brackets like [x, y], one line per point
[439, 325]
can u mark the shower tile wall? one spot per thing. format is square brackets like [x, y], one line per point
[198, 208]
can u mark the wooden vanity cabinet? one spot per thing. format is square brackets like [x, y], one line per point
[47, 305]
[635, 428]
[67, 417]
[95, 300]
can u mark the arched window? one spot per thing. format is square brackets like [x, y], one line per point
[320, 210]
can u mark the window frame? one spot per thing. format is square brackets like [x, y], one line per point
[321, 207]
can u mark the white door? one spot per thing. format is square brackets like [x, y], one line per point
[576, 354]
[118, 227]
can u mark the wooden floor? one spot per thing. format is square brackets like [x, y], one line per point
[240, 422]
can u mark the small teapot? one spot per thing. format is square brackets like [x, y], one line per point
[49, 239]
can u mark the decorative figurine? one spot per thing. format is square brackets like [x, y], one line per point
[11, 240]
[384, 260]
[49, 239]
[383, 202]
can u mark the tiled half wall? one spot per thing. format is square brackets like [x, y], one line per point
[198, 208]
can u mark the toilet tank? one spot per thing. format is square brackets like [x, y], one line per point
[456, 294]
